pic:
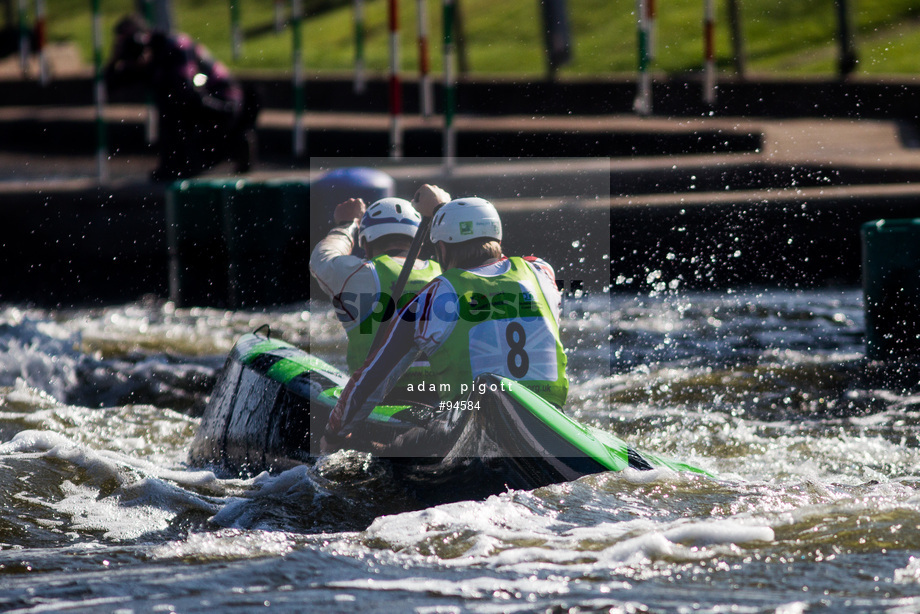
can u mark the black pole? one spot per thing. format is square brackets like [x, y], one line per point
[734, 20]
[557, 35]
[463, 58]
[847, 59]
[9, 13]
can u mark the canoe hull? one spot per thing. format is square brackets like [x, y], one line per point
[271, 402]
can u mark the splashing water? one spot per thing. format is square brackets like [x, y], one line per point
[815, 504]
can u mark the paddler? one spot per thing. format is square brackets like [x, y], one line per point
[486, 313]
[361, 288]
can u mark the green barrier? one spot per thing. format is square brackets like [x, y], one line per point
[235, 243]
[268, 240]
[199, 259]
[891, 281]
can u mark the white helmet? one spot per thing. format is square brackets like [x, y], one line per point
[464, 219]
[389, 216]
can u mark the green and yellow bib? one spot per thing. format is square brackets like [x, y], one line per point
[505, 326]
[361, 336]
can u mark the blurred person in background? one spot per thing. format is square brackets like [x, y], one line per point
[205, 115]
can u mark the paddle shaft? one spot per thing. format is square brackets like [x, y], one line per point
[417, 241]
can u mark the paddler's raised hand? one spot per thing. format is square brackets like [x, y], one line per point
[349, 211]
[428, 198]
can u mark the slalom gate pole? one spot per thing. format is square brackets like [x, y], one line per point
[23, 38]
[651, 15]
[360, 81]
[709, 75]
[450, 98]
[643, 101]
[300, 135]
[236, 35]
[279, 15]
[395, 87]
[101, 136]
[151, 124]
[41, 41]
[426, 102]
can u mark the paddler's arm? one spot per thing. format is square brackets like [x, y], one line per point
[368, 386]
[332, 262]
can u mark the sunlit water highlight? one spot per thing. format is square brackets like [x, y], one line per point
[815, 505]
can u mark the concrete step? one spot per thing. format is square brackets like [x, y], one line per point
[701, 202]
[648, 156]
[72, 130]
[488, 95]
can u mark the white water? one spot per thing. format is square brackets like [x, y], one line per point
[814, 504]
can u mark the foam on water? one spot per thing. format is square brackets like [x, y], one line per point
[146, 352]
[40, 354]
[192, 331]
[476, 588]
[909, 574]
[117, 495]
[97, 501]
[157, 435]
[504, 532]
[228, 544]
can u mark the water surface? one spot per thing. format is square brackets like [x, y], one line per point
[815, 505]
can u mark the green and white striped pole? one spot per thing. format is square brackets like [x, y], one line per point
[99, 94]
[396, 135]
[450, 99]
[360, 80]
[300, 135]
[643, 101]
[236, 34]
[279, 15]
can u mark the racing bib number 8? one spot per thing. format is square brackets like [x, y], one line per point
[518, 361]
[518, 349]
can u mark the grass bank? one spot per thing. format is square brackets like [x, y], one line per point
[781, 37]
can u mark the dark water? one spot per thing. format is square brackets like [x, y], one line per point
[815, 505]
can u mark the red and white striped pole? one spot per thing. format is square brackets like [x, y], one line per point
[395, 87]
[426, 103]
[650, 16]
[709, 50]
